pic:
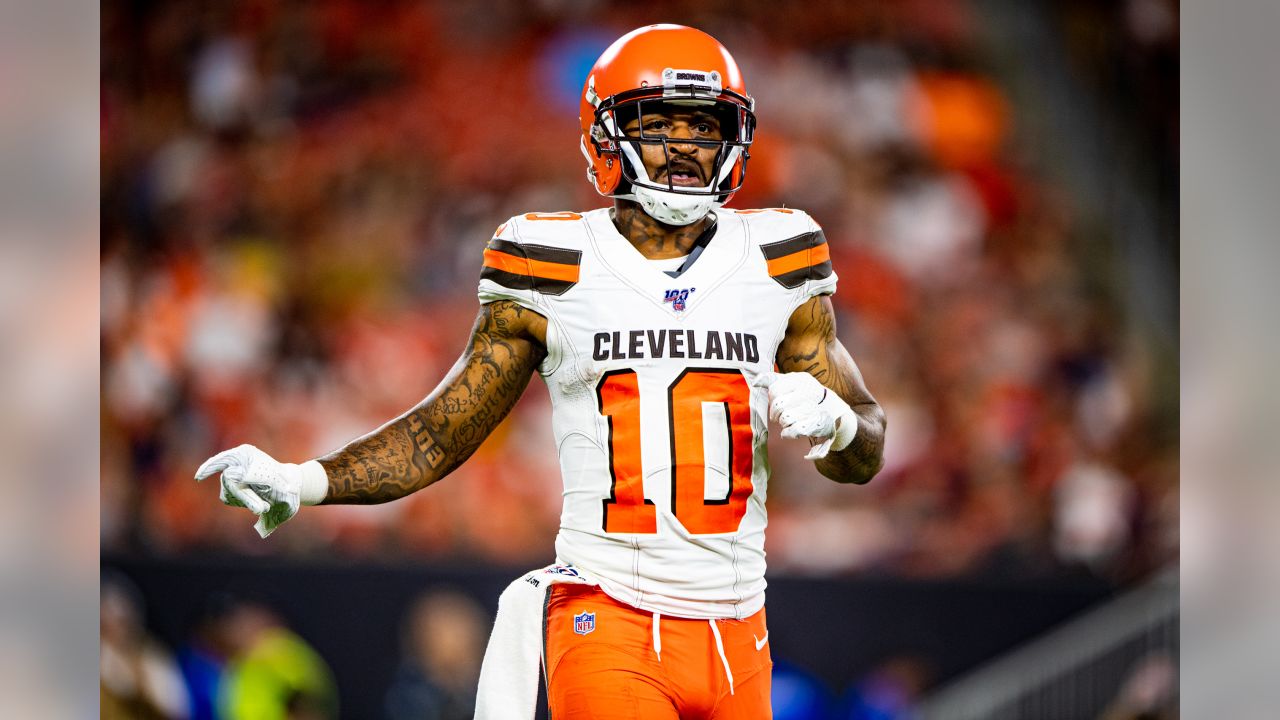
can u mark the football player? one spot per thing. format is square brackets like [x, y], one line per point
[669, 331]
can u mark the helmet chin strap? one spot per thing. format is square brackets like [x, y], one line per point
[673, 208]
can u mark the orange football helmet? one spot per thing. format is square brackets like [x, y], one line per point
[675, 65]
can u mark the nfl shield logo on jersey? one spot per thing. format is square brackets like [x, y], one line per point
[584, 623]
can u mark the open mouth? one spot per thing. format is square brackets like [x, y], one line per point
[682, 176]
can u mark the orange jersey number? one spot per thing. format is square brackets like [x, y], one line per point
[626, 510]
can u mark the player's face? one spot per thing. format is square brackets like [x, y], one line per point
[689, 165]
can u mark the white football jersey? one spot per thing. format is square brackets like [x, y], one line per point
[660, 434]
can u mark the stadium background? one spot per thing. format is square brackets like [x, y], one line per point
[295, 196]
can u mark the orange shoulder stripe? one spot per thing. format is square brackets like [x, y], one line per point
[505, 262]
[799, 259]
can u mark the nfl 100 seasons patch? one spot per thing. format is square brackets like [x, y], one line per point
[584, 623]
[677, 298]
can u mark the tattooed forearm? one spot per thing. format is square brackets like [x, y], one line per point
[811, 346]
[863, 458]
[440, 433]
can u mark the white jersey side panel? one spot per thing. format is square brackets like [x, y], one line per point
[660, 434]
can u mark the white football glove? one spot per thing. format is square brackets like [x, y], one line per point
[271, 490]
[804, 407]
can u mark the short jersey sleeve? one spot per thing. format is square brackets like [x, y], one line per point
[801, 259]
[524, 272]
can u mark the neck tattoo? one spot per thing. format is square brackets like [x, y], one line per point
[655, 240]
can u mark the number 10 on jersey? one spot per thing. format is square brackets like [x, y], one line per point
[627, 510]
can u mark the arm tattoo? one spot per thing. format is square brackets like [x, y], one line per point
[811, 346]
[441, 432]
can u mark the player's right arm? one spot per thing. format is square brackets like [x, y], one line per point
[410, 452]
[441, 432]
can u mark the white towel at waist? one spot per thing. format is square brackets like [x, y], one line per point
[508, 688]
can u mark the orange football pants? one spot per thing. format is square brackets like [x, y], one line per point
[607, 660]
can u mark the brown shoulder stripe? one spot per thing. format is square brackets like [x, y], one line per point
[794, 260]
[548, 270]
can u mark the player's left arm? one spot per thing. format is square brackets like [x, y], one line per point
[810, 346]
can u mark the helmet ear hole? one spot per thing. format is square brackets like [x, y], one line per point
[603, 171]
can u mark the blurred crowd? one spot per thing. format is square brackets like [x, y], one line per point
[239, 659]
[295, 197]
